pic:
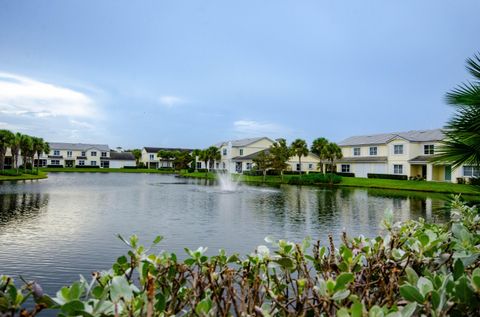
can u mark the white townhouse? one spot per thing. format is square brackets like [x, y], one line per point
[151, 160]
[237, 155]
[403, 153]
[75, 155]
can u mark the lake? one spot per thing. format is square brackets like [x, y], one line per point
[55, 229]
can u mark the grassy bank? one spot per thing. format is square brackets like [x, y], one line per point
[106, 170]
[22, 177]
[423, 186]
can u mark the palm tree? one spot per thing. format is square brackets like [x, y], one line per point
[6, 139]
[15, 148]
[280, 153]
[39, 147]
[25, 149]
[332, 152]
[203, 156]
[317, 148]
[299, 147]
[137, 154]
[462, 131]
[195, 154]
[213, 155]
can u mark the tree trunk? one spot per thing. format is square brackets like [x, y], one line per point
[300, 163]
[38, 161]
[2, 160]
[15, 160]
[281, 175]
[24, 164]
[264, 174]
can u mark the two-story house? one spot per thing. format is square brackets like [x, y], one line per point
[151, 159]
[403, 153]
[75, 155]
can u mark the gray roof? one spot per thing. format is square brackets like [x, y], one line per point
[412, 136]
[151, 149]
[77, 146]
[364, 159]
[124, 156]
[421, 159]
[251, 156]
[242, 142]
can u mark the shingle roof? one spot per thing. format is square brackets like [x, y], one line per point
[250, 156]
[421, 159]
[77, 146]
[242, 142]
[124, 156]
[364, 159]
[413, 136]
[150, 149]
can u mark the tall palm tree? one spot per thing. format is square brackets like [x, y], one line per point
[15, 148]
[6, 139]
[299, 148]
[462, 131]
[213, 155]
[203, 156]
[39, 147]
[195, 155]
[332, 152]
[25, 149]
[317, 148]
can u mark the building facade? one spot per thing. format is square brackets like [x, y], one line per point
[151, 159]
[75, 155]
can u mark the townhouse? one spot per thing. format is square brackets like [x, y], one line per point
[151, 159]
[404, 153]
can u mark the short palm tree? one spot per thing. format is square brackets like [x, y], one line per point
[317, 148]
[332, 152]
[6, 139]
[462, 131]
[299, 148]
[203, 156]
[213, 154]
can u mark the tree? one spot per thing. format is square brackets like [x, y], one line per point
[6, 139]
[195, 155]
[317, 149]
[25, 149]
[462, 131]
[182, 159]
[38, 146]
[203, 156]
[263, 161]
[137, 153]
[213, 154]
[15, 148]
[332, 152]
[280, 153]
[165, 155]
[299, 147]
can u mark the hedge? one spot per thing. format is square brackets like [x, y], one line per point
[387, 176]
[87, 166]
[345, 174]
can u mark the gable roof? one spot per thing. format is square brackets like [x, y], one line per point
[125, 156]
[150, 149]
[243, 142]
[412, 136]
[77, 146]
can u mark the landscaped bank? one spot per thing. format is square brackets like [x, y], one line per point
[424, 186]
[414, 268]
[23, 176]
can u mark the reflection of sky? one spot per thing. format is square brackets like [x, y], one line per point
[56, 229]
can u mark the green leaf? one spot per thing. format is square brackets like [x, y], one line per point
[375, 311]
[157, 239]
[409, 310]
[424, 285]
[458, 269]
[342, 280]
[122, 260]
[341, 295]
[435, 298]
[412, 276]
[73, 308]
[204, 306]
[286, 263]
[357, 310]
[343, 312]
[161, 303]
[120, 288]
[411, 294]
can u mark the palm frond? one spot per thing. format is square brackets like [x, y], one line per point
[467, 94]
[473, 66]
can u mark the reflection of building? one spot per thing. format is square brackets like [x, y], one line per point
[404, 153]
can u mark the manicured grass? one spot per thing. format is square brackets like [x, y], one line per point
[22, 177]
[422, 186]
[105, 170]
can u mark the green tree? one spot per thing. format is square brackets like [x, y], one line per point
[462, 131]
[280, 153]
[6, 139]
[332, 152]
[203, 156]
[299, 147]
[38, 146]
[263, 161]
[182, 160]
[26, 146]
[195, 155]
[15, 148]
[317, 148]
[165, 155]
[213, 155]
[137, 153]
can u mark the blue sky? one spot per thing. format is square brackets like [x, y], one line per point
[192, 73]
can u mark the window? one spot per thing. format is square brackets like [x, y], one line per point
[69, 153]
[83, 153]
[152, 157]
[373, 150]
[104, 154]
[471, 171]
[81, 163]
[93, 153]
[55, 162]
[310, 166]
[105, 164]
[93, 163]
[241, 151]
[397, 169]
[224, 152]
[199, 164]
[298, 167]
[428, 149]
[356, 151]
[345, 168]
[56, 152]
[398, 149]
[249, 166]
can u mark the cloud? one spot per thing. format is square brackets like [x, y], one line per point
[170, 101]
[250, 128]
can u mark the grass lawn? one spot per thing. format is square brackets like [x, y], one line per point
[422, 186]
[22, 177]
[105, 170]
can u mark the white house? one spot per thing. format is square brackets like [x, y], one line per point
[75, 155]
[122, 159]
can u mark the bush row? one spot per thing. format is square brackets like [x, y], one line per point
[311, 179]
[387, 176]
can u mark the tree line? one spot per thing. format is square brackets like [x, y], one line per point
[21, 145]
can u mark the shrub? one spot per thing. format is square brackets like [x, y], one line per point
[474, 181]
[345, 174]
[202, 170]
[317, 178]
[414, 269]
[11, 172]
[387, 176]
[141, 165]
[130, 167]
[253, 173]
[56, 166]
[87, 166]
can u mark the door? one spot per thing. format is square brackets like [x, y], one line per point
[448, 173]
[424, 171]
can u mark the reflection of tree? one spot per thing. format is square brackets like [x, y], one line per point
[21, 207]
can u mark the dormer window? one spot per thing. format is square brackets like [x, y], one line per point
[428, 149]
[356, 151]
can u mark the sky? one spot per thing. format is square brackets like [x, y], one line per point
[192, 73]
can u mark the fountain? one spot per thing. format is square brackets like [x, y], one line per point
[226, 182]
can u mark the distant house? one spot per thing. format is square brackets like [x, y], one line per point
[122, 159]
[151, 160]
[75, 155]
[403, 153]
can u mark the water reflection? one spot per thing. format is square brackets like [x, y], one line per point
[21, 207]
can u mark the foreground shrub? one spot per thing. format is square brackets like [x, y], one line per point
[415, 268]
